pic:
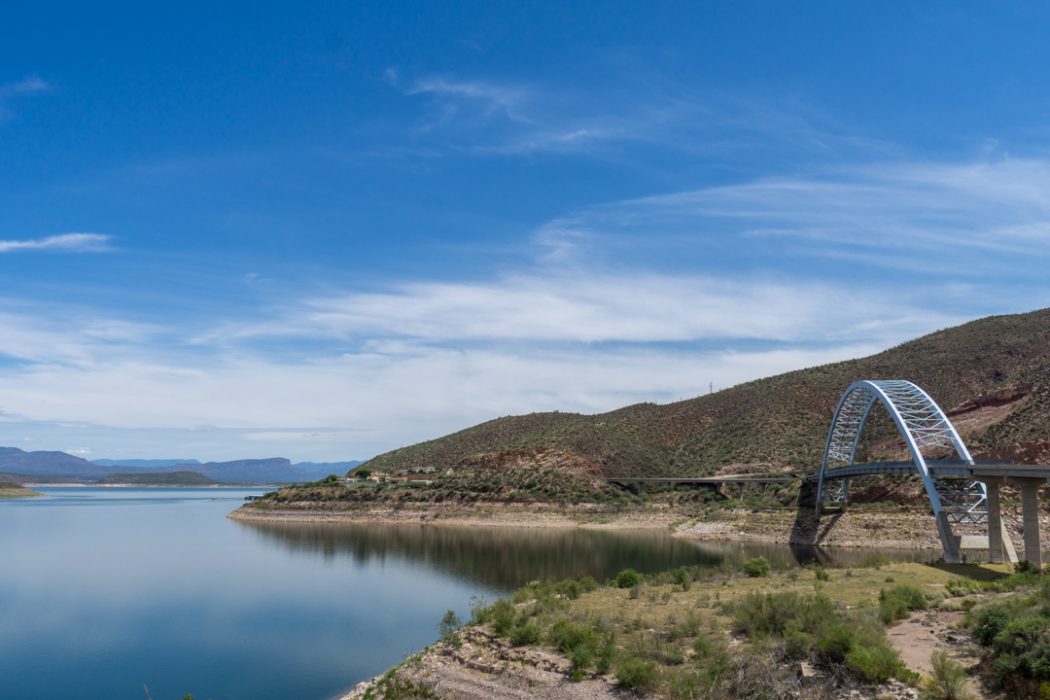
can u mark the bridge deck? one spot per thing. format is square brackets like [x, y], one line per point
[938, 469]
[704, 480]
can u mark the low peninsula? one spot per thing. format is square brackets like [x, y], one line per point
[9, 489]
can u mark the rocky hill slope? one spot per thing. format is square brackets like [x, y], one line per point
[992, 375]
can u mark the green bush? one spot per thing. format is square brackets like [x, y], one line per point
[712, 657]
[757, 567]
[875, 664]
[637, 674]
[948, 681]
[580, 643]
[500, 615]
[770, 613]
[897, 602]
[821, 573]
[449, 625]
[580, 658]
[525, 634]
[989, 621]
[628, 578]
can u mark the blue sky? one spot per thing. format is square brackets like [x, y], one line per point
[324, 230]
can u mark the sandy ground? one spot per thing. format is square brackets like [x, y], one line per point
[916, 638]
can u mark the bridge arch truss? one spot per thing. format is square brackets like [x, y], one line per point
[923, 426]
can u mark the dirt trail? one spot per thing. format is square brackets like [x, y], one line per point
[916, 638]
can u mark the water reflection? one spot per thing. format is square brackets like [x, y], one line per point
[104, 589]
[506, 558]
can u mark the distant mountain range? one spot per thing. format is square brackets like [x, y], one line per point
[52, 466]
[144, 463]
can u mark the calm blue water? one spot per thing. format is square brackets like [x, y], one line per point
[104, 590]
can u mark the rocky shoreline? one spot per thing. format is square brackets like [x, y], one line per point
[857, 528]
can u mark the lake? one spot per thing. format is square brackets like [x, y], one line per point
[106, 590]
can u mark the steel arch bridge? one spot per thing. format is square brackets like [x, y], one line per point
[922, 425]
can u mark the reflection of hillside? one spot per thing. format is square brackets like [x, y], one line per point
[507, 558]
[499, 557]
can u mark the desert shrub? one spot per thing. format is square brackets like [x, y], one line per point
[989, 621]
[875, 664]
[711, 656]
[637, 674]
[628, 578]
[500, 615]
[689, 626]
[811, 623]
[798, 644]
[581, 643]
[859, 643]
[1025, 567]
[449, 625]
[963, 586]
[948, 681]
[686, 684]
[770, 613]
[757, 568]
[565, 635]
[897, 602]
[821, 573]
[394, 687]
[606, 653]
[580, 659]
[525, 634]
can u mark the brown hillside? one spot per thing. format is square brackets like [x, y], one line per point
[992, 374]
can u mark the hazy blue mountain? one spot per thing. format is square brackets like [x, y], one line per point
[319, 470]
[275, 470]
[143, 463]
[16, 461]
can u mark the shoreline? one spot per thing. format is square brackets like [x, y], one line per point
[894, 529]
[498, 516]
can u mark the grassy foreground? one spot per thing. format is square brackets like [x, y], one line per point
[694, 633]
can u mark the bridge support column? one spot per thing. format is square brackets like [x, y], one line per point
[996, 532]
[949, 540]
[1030, 518]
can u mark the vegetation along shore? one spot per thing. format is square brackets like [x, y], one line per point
[12, 490]
[902, 630]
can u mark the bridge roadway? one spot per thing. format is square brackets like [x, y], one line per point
[1028, 477]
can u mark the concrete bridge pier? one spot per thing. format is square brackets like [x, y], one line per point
[997, 535]
[1030, 518]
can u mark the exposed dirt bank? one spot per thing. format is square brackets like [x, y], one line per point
[488, 515]
[859, 527]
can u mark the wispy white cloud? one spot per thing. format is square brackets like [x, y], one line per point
[29, 85]
[477, 96]
[940, 217]
[630, 306]
[502, 118]
[64, 242]
[26, 87]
